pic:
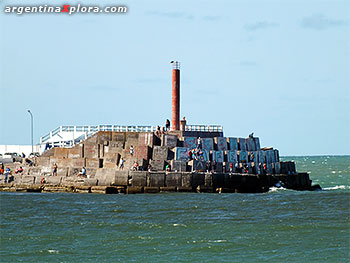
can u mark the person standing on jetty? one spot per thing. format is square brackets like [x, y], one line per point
[122, 161]
[167, 125]
[132, 150]
[55, 167]
[7, 173]
[199, 143]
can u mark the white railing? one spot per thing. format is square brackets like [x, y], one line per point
[204, 128]
[82, 132]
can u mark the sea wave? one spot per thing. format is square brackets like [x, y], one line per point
[337, 187]
[275, 189]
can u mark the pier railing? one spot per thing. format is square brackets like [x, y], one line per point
[68, 135]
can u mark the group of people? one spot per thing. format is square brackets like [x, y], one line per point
[8, 177]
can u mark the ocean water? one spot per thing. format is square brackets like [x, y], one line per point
[278, 226]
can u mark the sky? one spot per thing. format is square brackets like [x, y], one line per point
[280, 69]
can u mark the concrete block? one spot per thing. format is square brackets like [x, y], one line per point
[134, 189]
[156, 179]
[208, 179]
[34, 171]
[198, 166]
[257, 143]
[243, 156]
[77, 162]
[91, 150]
[138, 178]
[55, 189]
[169, 140]
[232, 156]
[277, 156]
[91, 172]
[146, 139]
[62, 171]
[111, 160]
[242, 144]
[121, 178]
[118, 137]
[160, 153]
[219, 168]
[73, 171]
[218, 156]
[218, 180]
[143, 152]
[42, 161]
[90, 181]
[269, 156]
[173, 179]
[114, 147]
[53, 180]
[76, 151]
[92, 162]
[186, 179]
[208, 144]
[233, 144]
[198, 179]
[91, 140]
[184, 189]
[104, 136]
[250, 144]
[61, 152]
[151, 190]
[190, 142]
[178, 165]
[269, 168]
[181, 153]
[98, 189]
[204, 189]
[25, 179]
[261, 158]
[167, 189]
[158, 165]
[221, 143]
[105, 176]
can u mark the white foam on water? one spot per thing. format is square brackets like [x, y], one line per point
[337, 187]
[53, 251]
[218, 241]
[179, 225]
[276, 189]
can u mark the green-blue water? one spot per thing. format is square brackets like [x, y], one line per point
[279, 226]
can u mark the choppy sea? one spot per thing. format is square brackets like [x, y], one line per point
[278, 226]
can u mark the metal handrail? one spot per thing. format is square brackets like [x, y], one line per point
[91, 129]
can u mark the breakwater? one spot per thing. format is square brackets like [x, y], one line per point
[131, 182]
[147, 162]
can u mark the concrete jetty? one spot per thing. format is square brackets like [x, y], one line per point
[102, 153]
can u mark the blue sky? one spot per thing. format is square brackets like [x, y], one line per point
[278, 68]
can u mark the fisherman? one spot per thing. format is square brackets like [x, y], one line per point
[19, 170]
[132, 150]
[251, 135]
[82, 172]
[7, 173]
